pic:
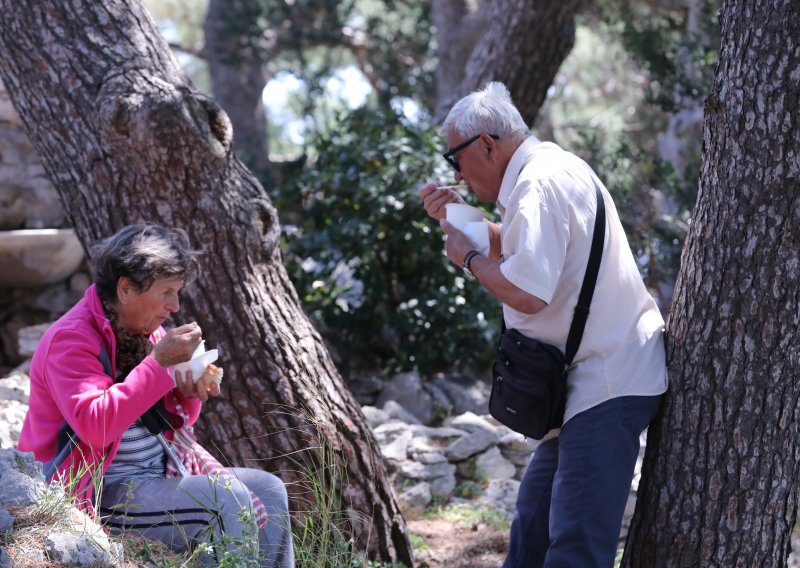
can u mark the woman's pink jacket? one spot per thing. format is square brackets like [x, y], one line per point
[68, 384]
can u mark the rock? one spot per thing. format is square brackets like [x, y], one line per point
[516, 442]
[6, 524]
[15, 387]
[406, 390]
[5, 559]
[79, 282]
[501, 495]
[36, 257]
[20, 461]
[443, 486]
[475, 442]
[465, 394]
[366, 389]
[430, 458]
[471, 422]
[14, 392]
[398, 412]
[440, 432]
[397, 449]
[27, 198]
[431, 441]
[375, 416]
[442, 405]
[75, 550]
[519, 459]
[28, 338]
[416, 470]
[18, 489]
[416, 497]
[517, 449]
[386, 433]
[20, 477]
[420, 445]
[12, 415]
[492, 465]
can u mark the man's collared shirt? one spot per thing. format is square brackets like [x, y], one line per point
[547, 206]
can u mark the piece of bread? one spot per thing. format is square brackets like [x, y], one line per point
[212, 374]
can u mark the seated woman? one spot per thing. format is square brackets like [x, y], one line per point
[109, 421]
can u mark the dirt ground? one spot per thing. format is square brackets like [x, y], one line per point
[456, 546]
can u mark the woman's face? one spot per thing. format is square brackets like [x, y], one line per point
[144, 312]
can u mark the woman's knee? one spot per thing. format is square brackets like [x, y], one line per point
[268, 487]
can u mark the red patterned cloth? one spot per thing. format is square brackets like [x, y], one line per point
[198, 461]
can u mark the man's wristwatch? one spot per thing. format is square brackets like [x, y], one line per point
[467, 260]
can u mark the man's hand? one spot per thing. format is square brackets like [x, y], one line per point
[189, 388]
[457, 244]
[435, 198]
[178, 345]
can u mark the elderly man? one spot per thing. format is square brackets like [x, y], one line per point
[573, 494]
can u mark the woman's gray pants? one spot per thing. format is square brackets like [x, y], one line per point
[192, 511]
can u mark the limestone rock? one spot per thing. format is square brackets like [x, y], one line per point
[6, 524]
[406, 389]
[473, 443]
[73, 550]
[492, 465]
[417, 496]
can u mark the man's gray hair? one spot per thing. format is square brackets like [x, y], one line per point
[488, 111]
[144, 253]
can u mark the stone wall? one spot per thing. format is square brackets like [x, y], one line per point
[27, 201]
[27, 198]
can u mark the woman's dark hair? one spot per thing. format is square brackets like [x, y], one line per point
[144, 253]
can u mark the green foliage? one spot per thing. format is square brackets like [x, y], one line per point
[367, 261]
[418, 543]
[466, 516]
[610, 103]
[636, 178]
[391, 41]
[468, 490]
[679, 61]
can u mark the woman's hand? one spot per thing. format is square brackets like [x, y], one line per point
[177, 345]
[191, 389]
[434, 198]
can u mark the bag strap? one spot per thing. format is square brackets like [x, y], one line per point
[589, 281]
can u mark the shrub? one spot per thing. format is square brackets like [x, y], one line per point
[367, 261]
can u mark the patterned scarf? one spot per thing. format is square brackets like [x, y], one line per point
[131, 348]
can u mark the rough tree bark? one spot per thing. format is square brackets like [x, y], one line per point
[523, 45]
[125, 138]
[720, 482]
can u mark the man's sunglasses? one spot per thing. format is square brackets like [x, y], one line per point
[450, 155]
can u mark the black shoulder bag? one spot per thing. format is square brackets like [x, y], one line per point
[529, 387]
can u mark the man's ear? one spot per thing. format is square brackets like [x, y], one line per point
[489, 146]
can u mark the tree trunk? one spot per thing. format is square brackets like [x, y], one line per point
[523, 46]
[238, 78]
[458, 31]
[125, 138]
[720, 476]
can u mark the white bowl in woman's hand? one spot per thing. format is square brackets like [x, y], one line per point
[198, 363]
